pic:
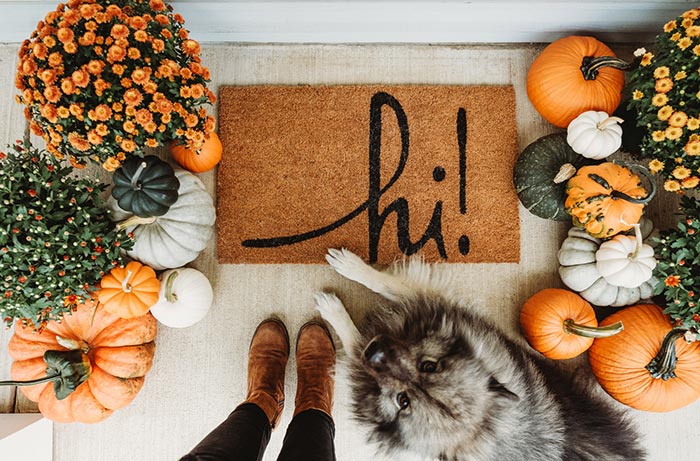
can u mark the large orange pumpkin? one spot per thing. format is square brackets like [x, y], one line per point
[561, 324]
[573, 75]
[607, 199]
[623, 363]
[208, 156]
[115, 353]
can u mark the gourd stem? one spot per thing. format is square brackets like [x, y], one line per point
[664, 364]
[591, 65]
[169, 295]
[586, 331]
[135, 221]
[135, 178]
[640, 242]
[126, 287]
[604, 124]
[45, 379]
[566, 171]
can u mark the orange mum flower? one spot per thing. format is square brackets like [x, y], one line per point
[52, 93]
[101, 129]
[164, 106]
[191, 120]
[162, 19]
[140, 36]
[158, 45]
[67, 86]
[143, 116]
[132, 97]
[87, 39]
[128, 145]
[103, 112]
[55, 59]
[137, 22]
[80, 78]
[115, 53]
[48, 76]
[191, 47]
[65, 35]
[672, 281]
[111, 164]
[94, 138]
[134, 53]
[78, 142]
[40, 51]
[119, 31]
[95, 67]
[141, 75]
[157, 5]
[663, 85]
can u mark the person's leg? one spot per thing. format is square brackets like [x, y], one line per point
[244, 435]
[310, 434]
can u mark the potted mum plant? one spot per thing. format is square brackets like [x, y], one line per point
[102, 80]
[665, 94]
[678, 269]
[56, 238]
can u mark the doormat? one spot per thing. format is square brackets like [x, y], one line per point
[384, 171]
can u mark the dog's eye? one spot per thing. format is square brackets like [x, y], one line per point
[428, 366]
[402, 400]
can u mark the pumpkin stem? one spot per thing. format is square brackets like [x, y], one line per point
[169, 295]
[126, 287]
[640, 242]
[135, 178]
[640, 201]
[604, 124]
[591, 65]
[135, 221]
[566, 171]
[45, 379]
[571, 327]
[664, 364]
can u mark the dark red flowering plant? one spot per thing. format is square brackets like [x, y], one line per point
[678, 269]
[56, 238]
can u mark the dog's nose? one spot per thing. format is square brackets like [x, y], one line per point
[376, 352]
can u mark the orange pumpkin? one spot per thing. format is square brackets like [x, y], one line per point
[573, 75]
[560, 324]
[129, 291]
[607, 199]
[116, 354]
[623, 363]
[198, 161]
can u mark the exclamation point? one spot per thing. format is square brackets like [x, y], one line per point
[462, 142]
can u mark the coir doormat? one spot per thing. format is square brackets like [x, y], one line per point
[380, 170]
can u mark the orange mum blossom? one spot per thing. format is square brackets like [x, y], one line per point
[90, 68]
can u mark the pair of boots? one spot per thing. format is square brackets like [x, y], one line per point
[269, 352]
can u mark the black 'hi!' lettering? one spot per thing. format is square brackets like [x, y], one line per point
[399, 206]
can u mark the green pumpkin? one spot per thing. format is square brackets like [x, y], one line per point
[145, 186]
[541, 173]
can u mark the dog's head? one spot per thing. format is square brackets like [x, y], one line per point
[421, 382]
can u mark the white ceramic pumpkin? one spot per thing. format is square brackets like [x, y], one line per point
[594, 134]
[625, 260]
[578, 271]
[185, 298]
[177, 237]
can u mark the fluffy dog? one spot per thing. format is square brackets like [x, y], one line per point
[431, 378]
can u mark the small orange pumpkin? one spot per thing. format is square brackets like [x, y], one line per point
[607, 199]
[208, 156]
[560, 324]
[573, 75]
[644, 366]
[129, 291]
[105, 360]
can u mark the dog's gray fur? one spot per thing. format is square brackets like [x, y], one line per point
[488, 398]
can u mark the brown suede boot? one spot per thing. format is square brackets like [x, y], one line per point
[315, 356]
[267, 360]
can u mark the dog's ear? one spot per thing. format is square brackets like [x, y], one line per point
[502, 391]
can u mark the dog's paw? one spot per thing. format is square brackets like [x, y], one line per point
[347, 263]
[330, 307]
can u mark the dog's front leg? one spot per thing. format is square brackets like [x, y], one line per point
[352, 267]
[333, 311]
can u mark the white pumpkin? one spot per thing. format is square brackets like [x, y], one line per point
[185, 298]
[625, 261]
[177, 237]
[594, 134]
[578, 271]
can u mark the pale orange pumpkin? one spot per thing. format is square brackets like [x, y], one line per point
[637, 366]
[573, 75]
[561, 324]
[129, 291]
[208, 156]
[115, 353]
[607, 199]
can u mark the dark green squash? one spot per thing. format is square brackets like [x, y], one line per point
[541, 173]
[145, 186]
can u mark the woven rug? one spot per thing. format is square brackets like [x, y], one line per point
[384, 171]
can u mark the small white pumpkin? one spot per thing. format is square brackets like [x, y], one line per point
[578, 271]
[594, 134]
[185, 298]
[177, 237]
[625, 260]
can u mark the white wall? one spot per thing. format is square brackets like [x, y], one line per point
[451, 21]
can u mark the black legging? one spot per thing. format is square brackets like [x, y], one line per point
[244, 435]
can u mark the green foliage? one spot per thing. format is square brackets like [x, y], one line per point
[678, 268]
[56, 239]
